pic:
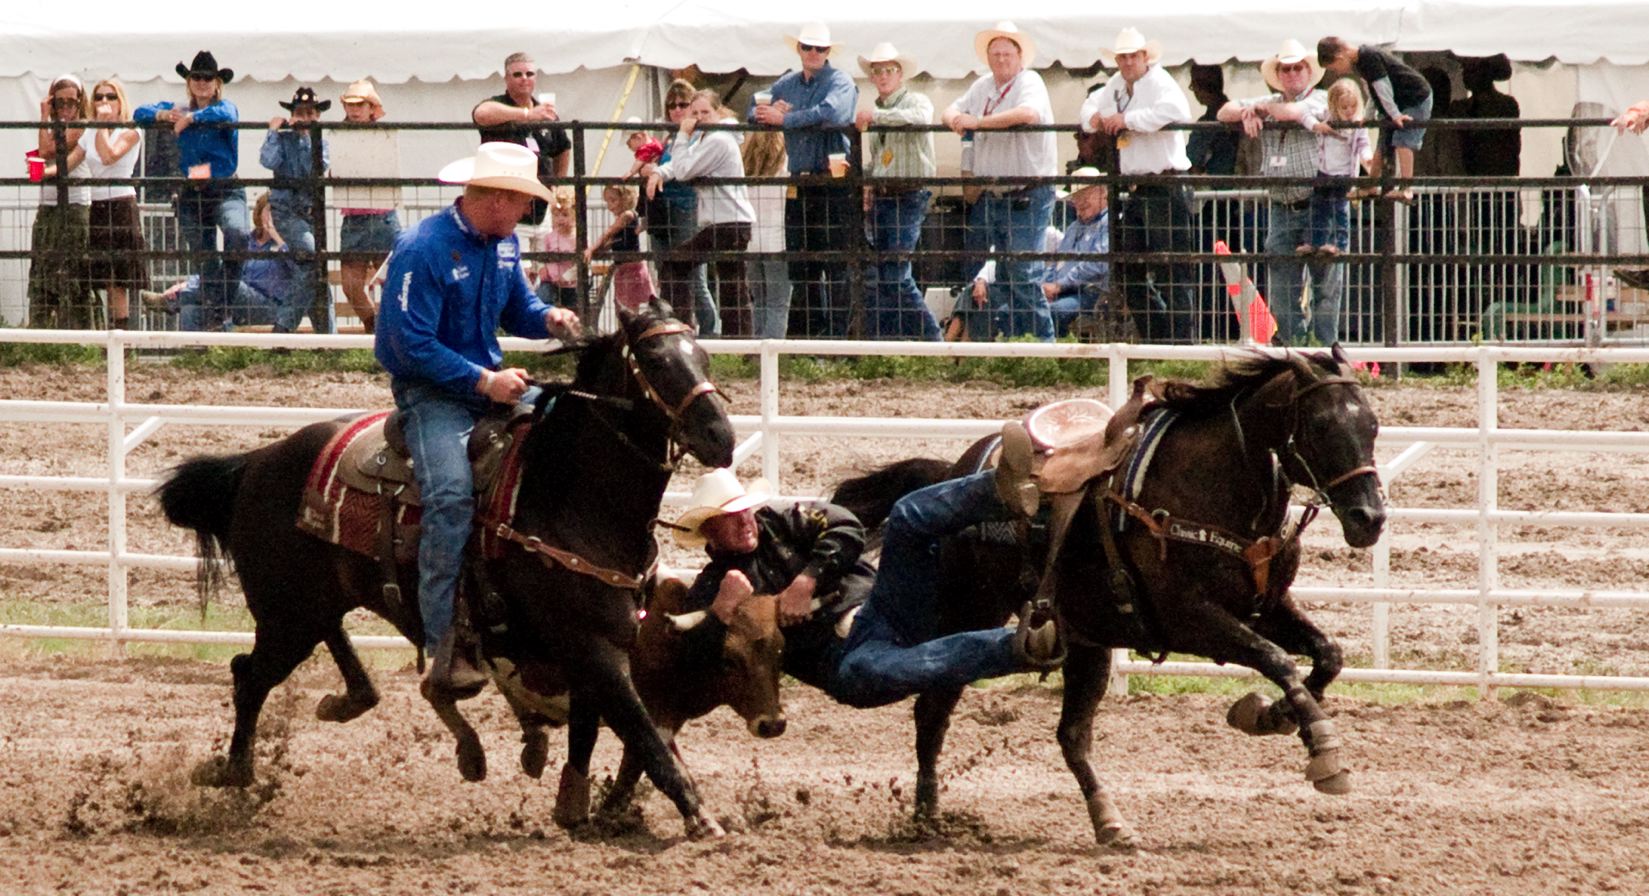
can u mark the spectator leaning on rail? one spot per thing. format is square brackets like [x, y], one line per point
[453, 282]
[519, 115]
[1133, 107]
[1074, 286]
[896, 195]
[813, 105]
[1400, 93]
[1010, 217]
[288, 154]
[208, 154]
[58, 298]
[1282, 121]
[365, 229]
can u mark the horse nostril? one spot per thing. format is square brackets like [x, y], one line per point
[769, 727]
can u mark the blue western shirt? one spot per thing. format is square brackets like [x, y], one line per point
[826, 100]
[1091, 238]
[219, 146]
[449, 289]
[286, 153]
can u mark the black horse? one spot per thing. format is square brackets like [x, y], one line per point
[1222, 473]
[594, 469]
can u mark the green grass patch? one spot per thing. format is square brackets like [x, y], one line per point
[19, 354]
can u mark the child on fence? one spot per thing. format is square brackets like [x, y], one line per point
[1340, 153]
[632, 283]
[557, 278]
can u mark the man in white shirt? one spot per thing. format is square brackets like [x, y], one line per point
[1133, 107]
[1010, 216]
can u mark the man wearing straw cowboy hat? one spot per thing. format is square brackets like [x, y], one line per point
[894, 648]
[1291, 151]
[896, 196]
[1012, 217]
[1133, 107]
[452, 282]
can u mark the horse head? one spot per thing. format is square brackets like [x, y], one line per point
[671, 371]
[1330, 448]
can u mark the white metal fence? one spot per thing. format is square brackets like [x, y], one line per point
[763, 434]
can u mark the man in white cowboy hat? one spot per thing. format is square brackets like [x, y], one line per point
[287, 155]
[896, 195]
[1074, 284]
[519, 115]
[1282, 120]
[1010, 216]
[807, 553]
[813, 104]
[1133, 107]
[452, 282]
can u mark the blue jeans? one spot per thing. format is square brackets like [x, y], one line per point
[1286, 228]
[897, 310]
[202, 211]
[769, 280]
[437, 425]
[299, 235]
[679, 223]
[894, 650]
[1016, 223]
[249, 308]
[1330, 217]
[1068, 307]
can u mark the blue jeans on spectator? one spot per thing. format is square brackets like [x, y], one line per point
[769, 280]
[1016, 222]
[897, 310]
[1068, 307]
[299, 235]
[894, 649]
[249, 308]
[202, 211]
[1287, 226]
[822, 216]
[1156, 218]
[680, 214]
[1330, 217]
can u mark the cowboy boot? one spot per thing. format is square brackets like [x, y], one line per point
[1013, 471]
[452, 670]
[1037, 646]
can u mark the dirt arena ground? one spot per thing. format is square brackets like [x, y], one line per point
[1523, 793]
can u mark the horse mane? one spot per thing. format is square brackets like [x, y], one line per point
[1237, 378]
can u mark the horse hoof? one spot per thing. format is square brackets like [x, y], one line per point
[535, 752]
[703, 827]
[1337, 784]
[1111, 830]
[1253, 714]
[472, 761]
[220, 772]
[572, 799]
[1116, 836]
[333, 708]
[1326, 774]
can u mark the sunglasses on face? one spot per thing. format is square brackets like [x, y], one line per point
[105, 96]
[880, 70]
[523, 74]
[195, 76]
[1290, 69]
[673, 106]
[810, 48]
[65, 103]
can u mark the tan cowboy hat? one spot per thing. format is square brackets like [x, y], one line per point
[1007, 29]
[1292, 51]
[505, 166]
[886, 52]
[1072, 189]
[814, 34]
[1130, 40]
[362, 91]
[717, 492]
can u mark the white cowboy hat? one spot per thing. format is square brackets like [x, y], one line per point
[1075, 188]
[505, 166]
[886, 52]
[717, 492]
[814, 34]
[1130, 40]
[363, 91]
[1292, 51]
[1007, 29]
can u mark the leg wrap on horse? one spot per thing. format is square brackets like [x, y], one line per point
[1324, 770]
[572, 799]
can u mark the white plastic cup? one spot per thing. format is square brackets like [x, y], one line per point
[547, 98]
[838, 164]
[764, 97]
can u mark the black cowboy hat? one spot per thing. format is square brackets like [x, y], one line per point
[305, 96]
[205, 64]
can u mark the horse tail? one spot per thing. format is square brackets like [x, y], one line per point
[871, 497]
[199, 494]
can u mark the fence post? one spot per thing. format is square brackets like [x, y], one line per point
[860, 253]
[322, 298]
[581, 227]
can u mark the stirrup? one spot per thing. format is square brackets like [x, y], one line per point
[1037, 645]
[1013, 471]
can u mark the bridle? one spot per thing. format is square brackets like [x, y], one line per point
[676, 449]
[1292, 446]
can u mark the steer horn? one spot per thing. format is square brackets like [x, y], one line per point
[685, 622]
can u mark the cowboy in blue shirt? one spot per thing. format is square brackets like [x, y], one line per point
[452, 283]
[1073, 286]
[286, 152]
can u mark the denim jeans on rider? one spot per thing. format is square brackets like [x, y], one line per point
[896, 307]
[437, 426]
[299, 235]
[894, 650]
[202, 211]
[1017, 222]
[1287, 228]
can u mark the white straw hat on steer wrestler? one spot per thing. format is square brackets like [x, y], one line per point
[717, 492]
[503, 166]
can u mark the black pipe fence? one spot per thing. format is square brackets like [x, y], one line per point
[1458, 263]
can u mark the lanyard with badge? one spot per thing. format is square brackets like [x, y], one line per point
[1123, 138]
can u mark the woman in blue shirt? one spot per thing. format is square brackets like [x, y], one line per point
[208, 152]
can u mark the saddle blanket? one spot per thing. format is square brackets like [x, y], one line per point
[349, 517]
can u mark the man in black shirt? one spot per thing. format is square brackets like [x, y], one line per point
[519, 115]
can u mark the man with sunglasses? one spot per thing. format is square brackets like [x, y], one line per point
[518, 116]
[1291, 151]
[813, 105]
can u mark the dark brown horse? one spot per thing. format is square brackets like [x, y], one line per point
[594, 470]
[1222, 473]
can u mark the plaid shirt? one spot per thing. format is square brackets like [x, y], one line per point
[1291, 151]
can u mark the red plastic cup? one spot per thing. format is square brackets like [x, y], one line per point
[37, 166]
